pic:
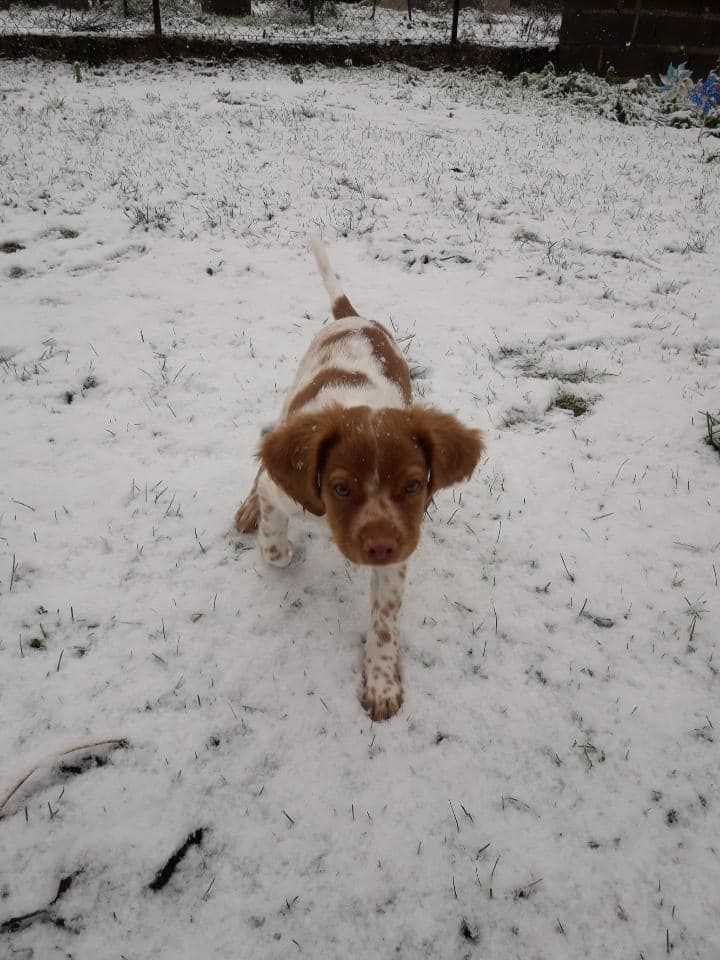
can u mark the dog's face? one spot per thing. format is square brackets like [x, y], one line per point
[371, 473]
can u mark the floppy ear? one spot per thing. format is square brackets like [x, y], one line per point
[293, 455]
[452, 450]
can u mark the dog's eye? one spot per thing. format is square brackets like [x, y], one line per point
[341, 490]
[412, 486]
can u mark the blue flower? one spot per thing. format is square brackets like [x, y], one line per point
[675, 77]
[705, 96]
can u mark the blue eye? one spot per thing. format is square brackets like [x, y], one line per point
[412, 486]
[341, 490]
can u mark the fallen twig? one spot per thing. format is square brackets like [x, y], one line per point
[44, 914]
[114, 743]
[162, 877]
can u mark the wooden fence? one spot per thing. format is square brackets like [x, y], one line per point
[639, 36]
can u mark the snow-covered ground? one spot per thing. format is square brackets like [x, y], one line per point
[550, 786]
[279, 20]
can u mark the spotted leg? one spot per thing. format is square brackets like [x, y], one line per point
[273, 530]
[382, 694]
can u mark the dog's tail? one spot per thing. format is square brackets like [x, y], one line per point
[341, 306]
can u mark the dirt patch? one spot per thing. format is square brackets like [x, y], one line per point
[95, 50]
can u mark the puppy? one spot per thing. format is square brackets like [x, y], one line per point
[351, 447]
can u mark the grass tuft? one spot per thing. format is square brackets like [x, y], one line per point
[572, 402]
[713, 430]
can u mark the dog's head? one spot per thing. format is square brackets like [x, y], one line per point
[370, 472]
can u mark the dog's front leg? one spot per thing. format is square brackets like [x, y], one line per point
[382, 695]
[272, 528]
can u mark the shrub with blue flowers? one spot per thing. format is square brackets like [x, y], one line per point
[703, 96]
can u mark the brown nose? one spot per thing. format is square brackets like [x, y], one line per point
[380, 549]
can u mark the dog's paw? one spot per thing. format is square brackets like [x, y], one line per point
[246, 517]
[278, 556]
[382, 694]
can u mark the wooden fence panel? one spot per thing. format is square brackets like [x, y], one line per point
[639, 36]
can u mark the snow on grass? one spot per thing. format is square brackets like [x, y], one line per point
[549, 788]
[277, 20]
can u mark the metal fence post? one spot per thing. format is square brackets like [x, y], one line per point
[456, 17]
[156, 17]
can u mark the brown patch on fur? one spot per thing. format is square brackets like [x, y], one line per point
[331, 377]
[374, 454]
[452, 449]
[326, 353]
[332, 338]
[381, 706]
[246, 516]
[343, 308]
[391, 361]
[293, 453]
[384, 636]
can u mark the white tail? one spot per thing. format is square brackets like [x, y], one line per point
[341, 306]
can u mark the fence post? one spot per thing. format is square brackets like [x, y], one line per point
[454, 28]
[156, 17]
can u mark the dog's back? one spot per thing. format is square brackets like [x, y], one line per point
[352, 362]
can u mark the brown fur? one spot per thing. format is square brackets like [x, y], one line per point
[380, 708]
[393, 365]
[292, 452]
[331, 376]
[383, 349]
[370, 471]
[343, 308]
[332, 338]
[246, 516]
[374, 453]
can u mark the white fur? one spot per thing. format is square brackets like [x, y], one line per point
[327, 273]
[353, 354]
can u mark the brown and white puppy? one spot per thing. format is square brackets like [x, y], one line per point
[351, 447]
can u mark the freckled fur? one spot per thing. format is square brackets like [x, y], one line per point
[348, 424]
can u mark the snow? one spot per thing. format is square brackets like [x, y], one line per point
[550, 787]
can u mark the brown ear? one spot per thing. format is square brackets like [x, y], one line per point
[452, 450]
[293, 455]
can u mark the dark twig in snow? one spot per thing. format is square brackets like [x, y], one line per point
[114, 744]
[45, 914]
[162, 877]
[570, 576]
[618, 471]
[492, 874]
